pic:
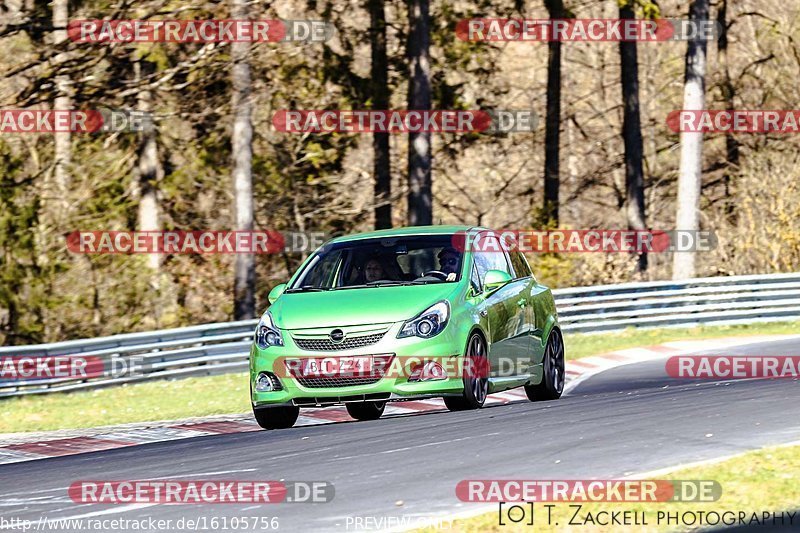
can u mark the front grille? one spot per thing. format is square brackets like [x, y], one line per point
[325, 344]
[334, 378]
[320, 382]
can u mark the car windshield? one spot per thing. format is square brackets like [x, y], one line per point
[381, 262]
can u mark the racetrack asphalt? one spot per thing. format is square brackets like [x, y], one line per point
[623, 421]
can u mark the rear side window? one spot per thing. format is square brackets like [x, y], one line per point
[520, 265]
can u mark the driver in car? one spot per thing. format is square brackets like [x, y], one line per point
[449, 260]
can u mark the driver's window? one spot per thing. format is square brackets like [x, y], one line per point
[488, 259]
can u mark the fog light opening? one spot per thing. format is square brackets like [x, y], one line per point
[267, 383]
[430, 371]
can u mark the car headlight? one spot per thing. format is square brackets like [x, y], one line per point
[428, 323]
[266, 333]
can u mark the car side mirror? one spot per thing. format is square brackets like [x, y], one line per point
[276, 291]
[495, 279]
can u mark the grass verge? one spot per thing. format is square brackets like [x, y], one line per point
[756, 482]
[202, 396]
[142, 402]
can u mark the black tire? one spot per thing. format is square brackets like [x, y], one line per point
[277, 417]
[475, 388]
[456, 403]
[366, 410]
[552, 384]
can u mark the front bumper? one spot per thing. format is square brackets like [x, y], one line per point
[444, 347]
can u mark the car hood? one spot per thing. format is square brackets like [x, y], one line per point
[352, 307]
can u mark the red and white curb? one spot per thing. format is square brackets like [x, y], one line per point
[15, 448]
[586, 367]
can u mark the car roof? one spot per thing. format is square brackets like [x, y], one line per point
[408, 231]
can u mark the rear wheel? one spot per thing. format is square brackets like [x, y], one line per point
[366, 410]
[476, 387]
[552, 384]
[277, 417]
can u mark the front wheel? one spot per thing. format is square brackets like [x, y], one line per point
[366, 410]
[277, 417]
[552, 384]
[476, 383]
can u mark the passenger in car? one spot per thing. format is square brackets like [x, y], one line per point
[373, 270]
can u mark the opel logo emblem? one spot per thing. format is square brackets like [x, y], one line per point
[337, 335]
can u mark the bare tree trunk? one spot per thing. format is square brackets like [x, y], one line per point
[552, 134]
[380, 100]
[420, 200]
[55, 196]
[572, 164]
[632, 134]
[150, 170]
[62, 102]
[244, 304]
[728, 93]
[688, 216]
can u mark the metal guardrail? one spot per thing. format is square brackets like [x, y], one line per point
[221, 348]
[202, 350]
[701, 301]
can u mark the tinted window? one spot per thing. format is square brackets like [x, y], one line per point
[486, 259]
[392, 260]
[322, 269]
[520, 265]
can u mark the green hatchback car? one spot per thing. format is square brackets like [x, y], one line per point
[405, 314]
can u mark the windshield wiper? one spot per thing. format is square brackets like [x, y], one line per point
[306, 288]
[361, 286]
[372, 284]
